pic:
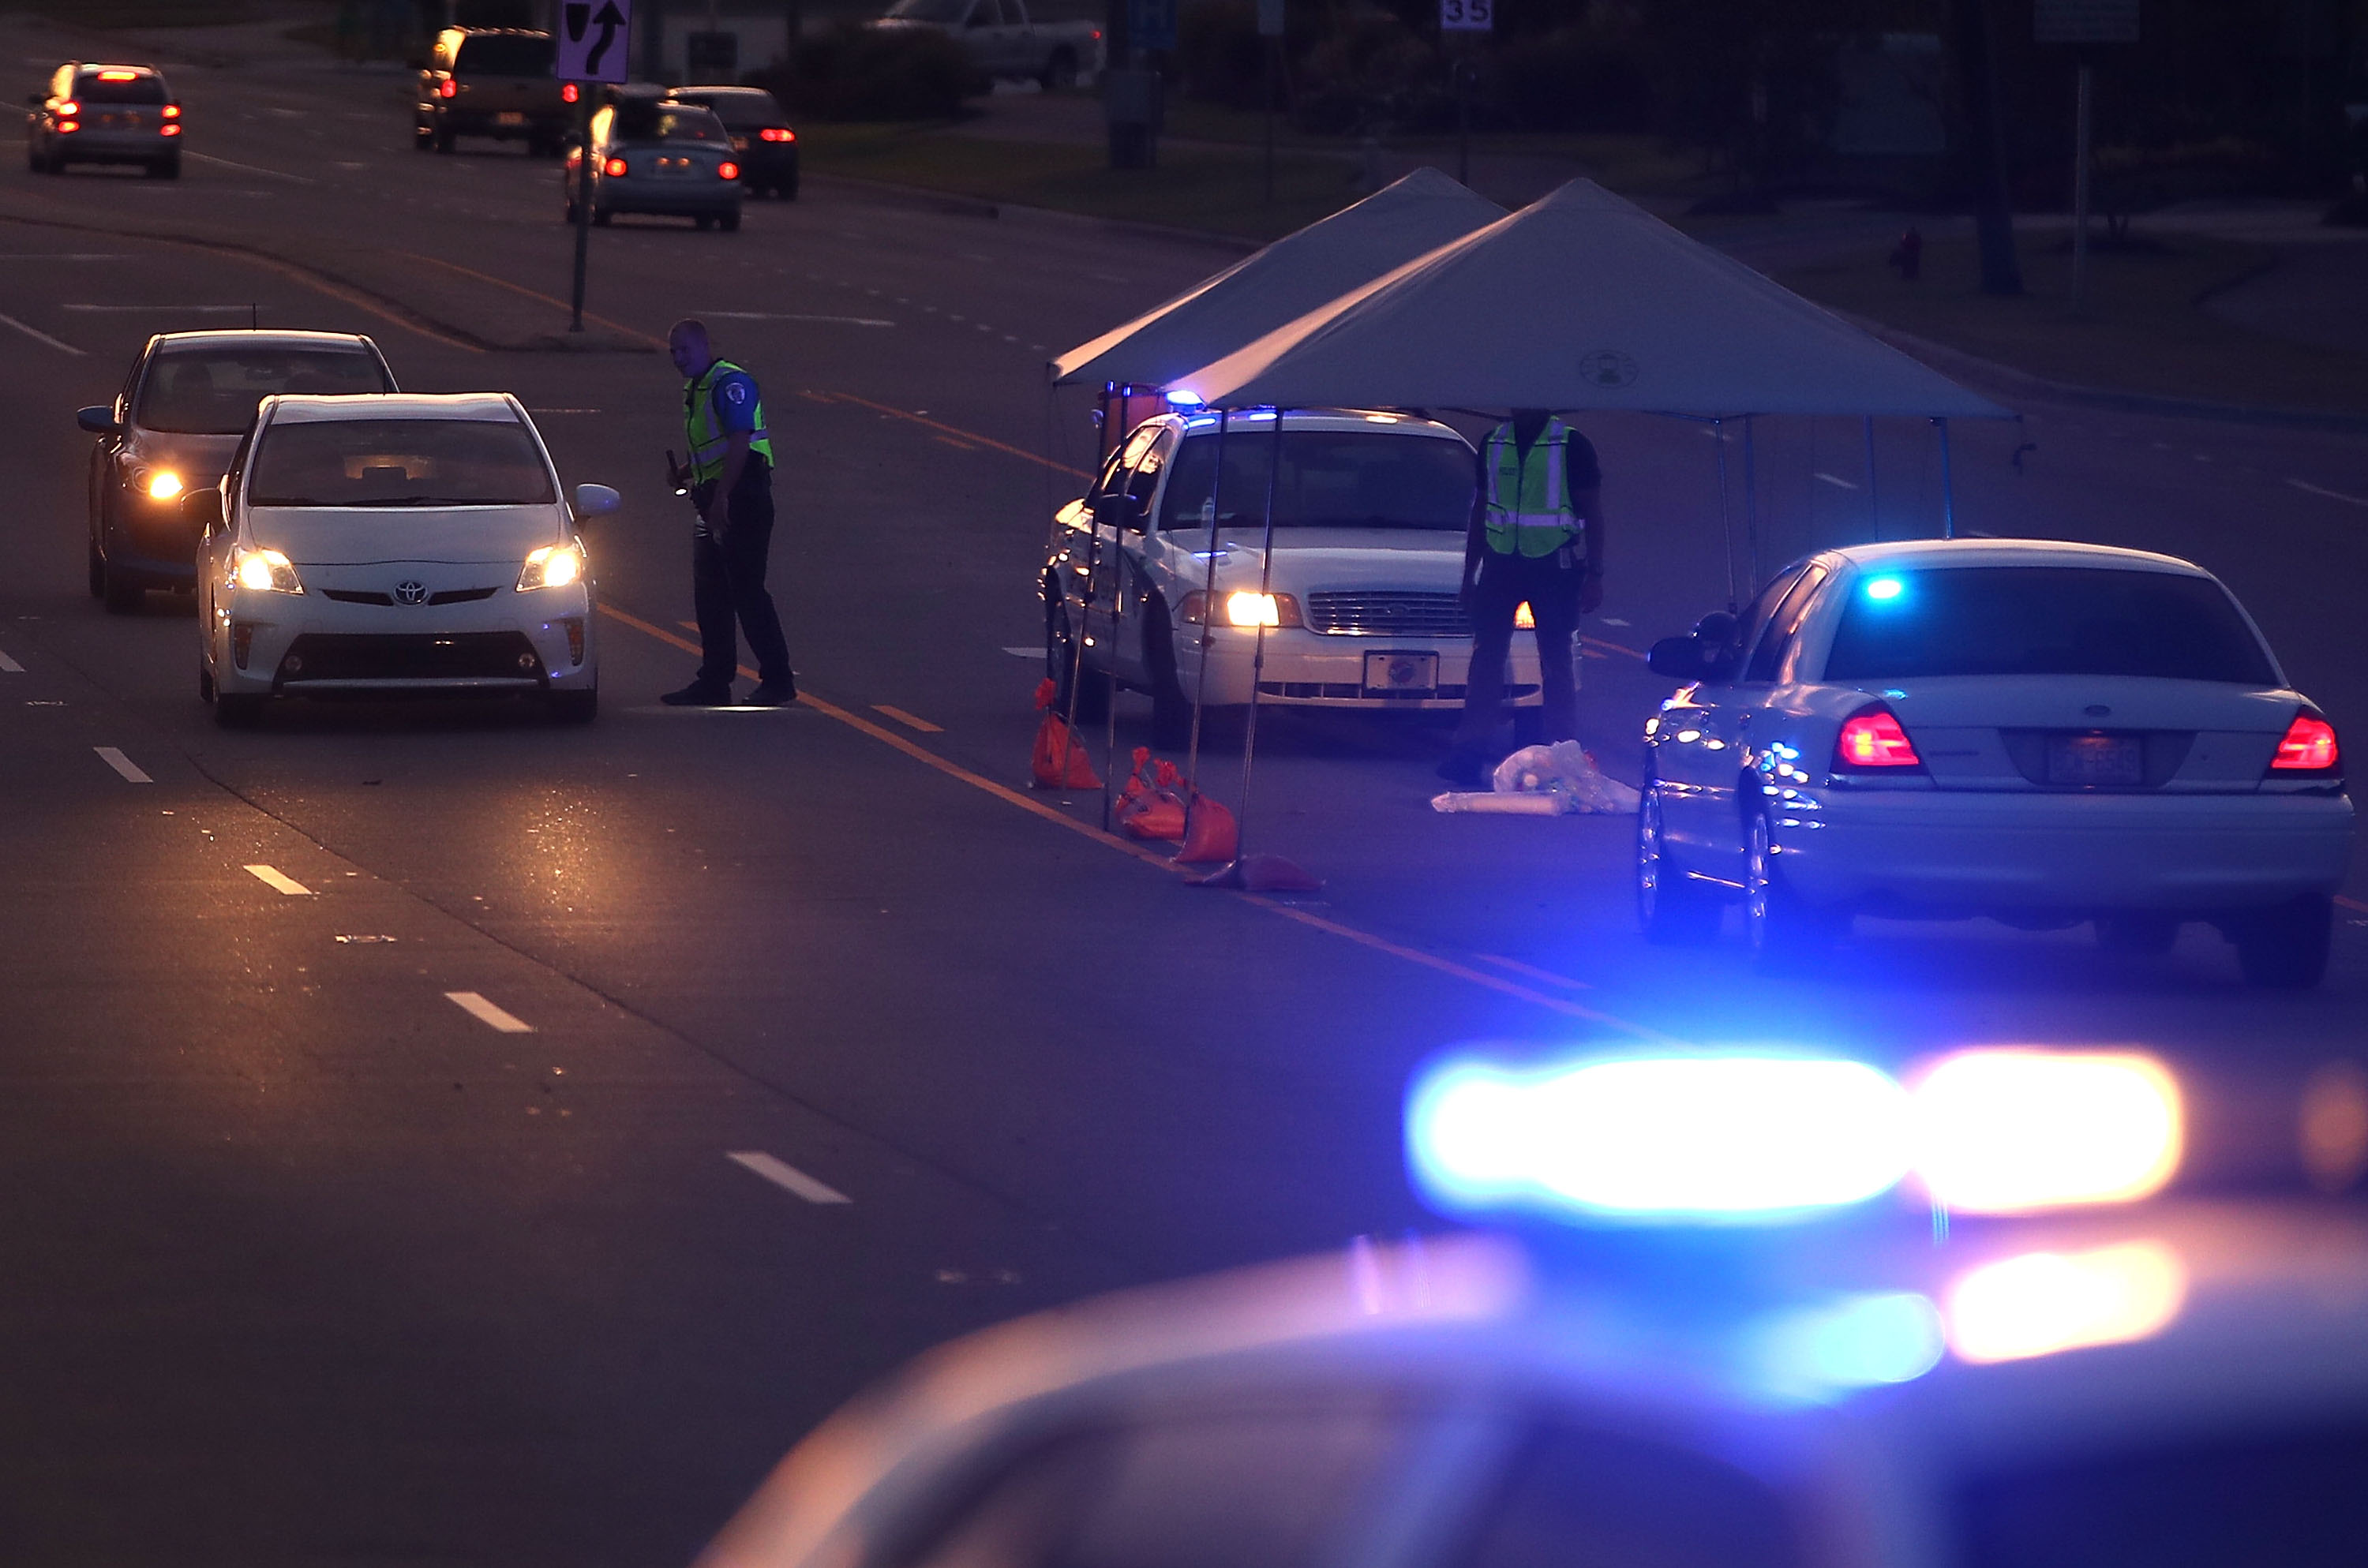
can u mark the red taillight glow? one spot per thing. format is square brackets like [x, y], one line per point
[448, 89]
[614, 168]
[727, 169]
[69, 107]
[777, 133]
[1872, 738]
[168, 130]
[172, 111]
[66, 125]
[2308, 747]
[569, 93]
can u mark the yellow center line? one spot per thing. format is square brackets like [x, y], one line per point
[960, 433]
[1151, 858]
[1516, 966]
[532, 294]
[910, 720]
[2352, 904]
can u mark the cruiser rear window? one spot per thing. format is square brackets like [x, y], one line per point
[2043, 621]
[399, 462]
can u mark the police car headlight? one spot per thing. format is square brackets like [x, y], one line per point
[266, 572]
[552, 566]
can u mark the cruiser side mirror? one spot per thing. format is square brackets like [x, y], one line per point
[1117, 511]
[596, 501]
[98, 419]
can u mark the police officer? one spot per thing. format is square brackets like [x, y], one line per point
[1536, 537]
[732, 486]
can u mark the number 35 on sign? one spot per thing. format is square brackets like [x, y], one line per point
[1467, 15]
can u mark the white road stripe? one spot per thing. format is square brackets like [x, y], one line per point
[1834, 480]
[10, 667]
[39, 337]
[250, 168]
[789, 1176]
[781, 315]
[278, 881]
[115, 759]
[1025, 652]
[484, 1011]
[2330, 495]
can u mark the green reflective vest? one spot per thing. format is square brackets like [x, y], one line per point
[1528, 504]
[705, 433]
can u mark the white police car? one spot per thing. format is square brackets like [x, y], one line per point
[1825, 1318]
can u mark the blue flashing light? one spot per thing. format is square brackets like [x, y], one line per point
[1702, 1139]
[1828, 1349]
[1883, 590]
[1184, 397]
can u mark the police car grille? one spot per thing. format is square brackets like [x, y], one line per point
[1388, 615]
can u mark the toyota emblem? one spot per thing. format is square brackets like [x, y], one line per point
[411, 593]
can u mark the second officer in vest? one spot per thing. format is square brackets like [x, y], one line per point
[1537, 539]
[732, 486]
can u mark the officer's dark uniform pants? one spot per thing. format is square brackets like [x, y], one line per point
[1552, 589]
[727, 582]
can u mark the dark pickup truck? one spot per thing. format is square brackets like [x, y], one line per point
[491, 82]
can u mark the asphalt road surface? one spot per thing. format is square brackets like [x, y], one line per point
[573, 1116]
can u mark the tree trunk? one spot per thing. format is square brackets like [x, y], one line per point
[1984, 144]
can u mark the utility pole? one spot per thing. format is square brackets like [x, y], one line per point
[1985, 143]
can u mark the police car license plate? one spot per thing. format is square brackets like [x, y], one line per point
[510, 117]
[2095, 760]
[1401, 674]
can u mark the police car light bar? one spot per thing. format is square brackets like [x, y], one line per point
[1755, 1138]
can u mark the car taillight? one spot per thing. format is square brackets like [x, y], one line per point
[568, 92]
[1872, 738]
[69, 107]
[777, 133]
[614, 168]
[2308, 747]
[727, 169]
[448, 89]
[172, 111]
[168, 130]
[66, 125]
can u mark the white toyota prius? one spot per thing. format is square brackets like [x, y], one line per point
[395, 543]
[2039, 731]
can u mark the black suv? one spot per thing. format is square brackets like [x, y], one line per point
[762, 140]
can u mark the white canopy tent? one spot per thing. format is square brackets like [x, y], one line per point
[1289, 277]
[1582, 300]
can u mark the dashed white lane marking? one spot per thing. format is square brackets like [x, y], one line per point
[114, 758]
[278, 881]
[1614, 621]
[788, 1176]
[910, 720]
[2331, 494]
[784, 315]
[1835, 480]
[1515, 966]
[484, 1011]
[38, 335]
[10, 667]
[250, 168]
[1025, 652]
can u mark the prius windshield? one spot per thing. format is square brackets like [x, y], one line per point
[212, 391]
[1346, 479]
[399, 463]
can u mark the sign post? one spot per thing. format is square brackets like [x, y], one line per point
[2083, 24]
[1270, 27]
[1464, 17]
[592, 44]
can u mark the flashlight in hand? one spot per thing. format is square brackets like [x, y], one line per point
[678, 475]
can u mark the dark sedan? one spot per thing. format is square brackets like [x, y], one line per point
[762, 138]
[171, 431]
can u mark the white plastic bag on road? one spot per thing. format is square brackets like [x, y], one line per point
[1563, 769]
[1501, 805]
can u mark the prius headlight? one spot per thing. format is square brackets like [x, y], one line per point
[552, 566]
[266, 572]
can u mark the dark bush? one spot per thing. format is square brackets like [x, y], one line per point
[1219, 54]
[1370, 73]
[857, 72]
[1571, 79]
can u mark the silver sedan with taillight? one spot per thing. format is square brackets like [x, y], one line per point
[396, 544]
[666, 159]
[2038, 732]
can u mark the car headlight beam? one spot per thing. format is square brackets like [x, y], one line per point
[266, 572]
[552, 566]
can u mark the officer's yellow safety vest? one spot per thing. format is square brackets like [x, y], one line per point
[705, 433]
[1529, 511]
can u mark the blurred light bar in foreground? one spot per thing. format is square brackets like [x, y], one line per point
[1736, 1138]
[2004, 1132]
[2043, 1302]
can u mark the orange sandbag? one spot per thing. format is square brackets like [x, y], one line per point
[1059, 762]
[1211, 837]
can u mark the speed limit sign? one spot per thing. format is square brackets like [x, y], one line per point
[1467, 15]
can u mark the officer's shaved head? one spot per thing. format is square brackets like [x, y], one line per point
[686, 344]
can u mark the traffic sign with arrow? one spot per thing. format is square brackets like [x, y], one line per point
[592, 40]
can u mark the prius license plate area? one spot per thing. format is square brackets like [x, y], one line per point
[2084, 761]
[1402, 674]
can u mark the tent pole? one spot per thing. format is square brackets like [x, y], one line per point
[1725, 524]
[1208, 611]
[1948, 485]
[1873, 512]
[1750, 502]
